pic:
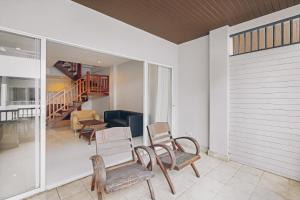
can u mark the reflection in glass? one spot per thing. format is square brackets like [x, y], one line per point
[160, 94]
[19, 114]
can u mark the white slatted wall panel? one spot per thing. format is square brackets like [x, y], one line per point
[264, 90]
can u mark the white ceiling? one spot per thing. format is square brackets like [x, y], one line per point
[56, 51]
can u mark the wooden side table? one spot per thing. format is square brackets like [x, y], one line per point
[89, 127]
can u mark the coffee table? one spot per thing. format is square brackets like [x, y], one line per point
[89, 127]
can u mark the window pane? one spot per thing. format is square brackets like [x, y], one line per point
[270, 37]
[262, 38]
[241, 43]
[248, 42]
[296, 30]
[254, 40]
[278, 35]
[286, 33]
[235, 44]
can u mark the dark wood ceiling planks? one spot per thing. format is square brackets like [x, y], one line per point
[182, 20]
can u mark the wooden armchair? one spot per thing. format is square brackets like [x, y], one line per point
[175, 156]
[115, 144]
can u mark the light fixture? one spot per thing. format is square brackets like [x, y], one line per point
[2, 49]
[18, 48]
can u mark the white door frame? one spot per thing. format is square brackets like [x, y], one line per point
[146, 99]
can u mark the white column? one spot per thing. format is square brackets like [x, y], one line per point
[218, 65]
[113, 87]
[3, 92]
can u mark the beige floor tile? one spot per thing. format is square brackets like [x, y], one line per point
[235, 165]
[275, 183]
[242, 176]
[84, 195]
[223, 173]
[251, 170]
[182, 197]
[294, 191]
[263, 193]
[232, 193]
[241, 185]
[87, 182]
[119, 195]
[71, 189]
[206, 188]
[48, 195]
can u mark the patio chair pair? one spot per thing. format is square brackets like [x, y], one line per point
[115, 142]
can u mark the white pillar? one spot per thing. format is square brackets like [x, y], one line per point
[3, 92]
[218, 66]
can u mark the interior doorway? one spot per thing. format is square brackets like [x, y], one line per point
[82, 85]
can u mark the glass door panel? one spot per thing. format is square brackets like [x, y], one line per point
[19, 114]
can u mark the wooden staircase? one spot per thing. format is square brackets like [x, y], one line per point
[70, 69]
[61, 104]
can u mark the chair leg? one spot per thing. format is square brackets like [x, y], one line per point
[165, 172]
[195, 170]
[151, 189]
[93, 183]
[100, 197]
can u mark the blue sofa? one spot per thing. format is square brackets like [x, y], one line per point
[123, 118]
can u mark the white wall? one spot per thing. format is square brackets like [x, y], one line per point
[193, 90]
[129, 86]
[264, 110]
[67, 21]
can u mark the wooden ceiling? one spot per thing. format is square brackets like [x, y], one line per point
[182, 20]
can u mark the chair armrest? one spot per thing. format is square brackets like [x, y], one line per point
[75, 120]
[150, 154]
[197, 146]
[96, 116]
[170, 152]
[99, 175]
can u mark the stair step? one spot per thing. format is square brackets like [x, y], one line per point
[72, 71]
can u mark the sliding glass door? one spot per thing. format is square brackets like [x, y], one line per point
[159, 94]
[20, 74]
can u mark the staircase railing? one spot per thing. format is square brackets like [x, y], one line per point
[97, 84]
[62, 100]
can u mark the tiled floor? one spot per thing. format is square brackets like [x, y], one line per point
[219, 181]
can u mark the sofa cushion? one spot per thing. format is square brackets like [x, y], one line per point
[122, 122]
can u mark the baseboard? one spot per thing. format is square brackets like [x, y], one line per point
[218, 156]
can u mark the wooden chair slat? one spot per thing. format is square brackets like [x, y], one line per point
[161, 136]
[113, 134]
[115, 148]
[158, 128]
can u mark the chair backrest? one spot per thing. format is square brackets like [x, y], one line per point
[159, 133]
[115, 145]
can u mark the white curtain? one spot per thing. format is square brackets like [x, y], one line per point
[163, 103]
